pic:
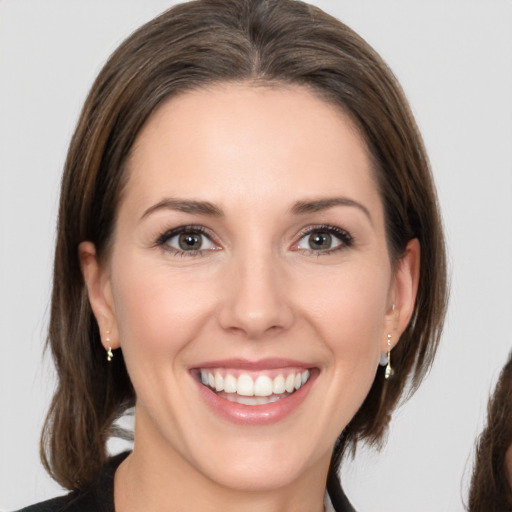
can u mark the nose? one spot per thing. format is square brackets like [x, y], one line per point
[256, 299]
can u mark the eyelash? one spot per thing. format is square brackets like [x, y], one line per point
[346, 239]
[163, 239]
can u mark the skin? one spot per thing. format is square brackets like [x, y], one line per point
[256, 291]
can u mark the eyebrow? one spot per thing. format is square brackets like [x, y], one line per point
[209, 209]
[187, 206]
[317, 205]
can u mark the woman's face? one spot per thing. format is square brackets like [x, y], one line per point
[249, 257]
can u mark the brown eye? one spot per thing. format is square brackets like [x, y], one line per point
[320, 241]
[187, 239]
[324, 239]
[190, 241]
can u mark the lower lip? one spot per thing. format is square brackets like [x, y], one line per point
[255, 414]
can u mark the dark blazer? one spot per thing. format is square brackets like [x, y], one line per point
[99, 496]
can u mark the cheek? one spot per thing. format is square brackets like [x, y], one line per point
[351, 322]
[157, 311]
[351, 312]
[354, 342]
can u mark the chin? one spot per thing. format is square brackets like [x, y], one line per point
[258, 477]
[263, 465]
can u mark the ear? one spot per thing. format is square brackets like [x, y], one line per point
[99, 289]
[403, 292]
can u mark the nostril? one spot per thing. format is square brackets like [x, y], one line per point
[252, 333]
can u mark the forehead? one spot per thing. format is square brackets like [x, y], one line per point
[250, 140]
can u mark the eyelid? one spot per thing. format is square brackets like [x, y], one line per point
[346, 239]
[163, 239]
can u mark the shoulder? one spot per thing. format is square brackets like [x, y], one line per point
[72, 502]
[96, 497]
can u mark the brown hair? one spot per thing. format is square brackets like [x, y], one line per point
[190, 46]
[490, 488]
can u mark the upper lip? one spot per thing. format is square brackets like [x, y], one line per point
[261, 364]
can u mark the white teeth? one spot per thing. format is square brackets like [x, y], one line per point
[278, 385]
[253, 400]
[219, 382]
[245, 385]
[290, 383]
[263, 386]
[261, 389]
[230, 384]
[246, 400]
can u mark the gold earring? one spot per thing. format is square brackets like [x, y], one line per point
[389, 369]
[110, 355]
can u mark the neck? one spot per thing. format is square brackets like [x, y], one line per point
[154, 477]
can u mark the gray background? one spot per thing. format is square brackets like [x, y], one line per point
[454, 59]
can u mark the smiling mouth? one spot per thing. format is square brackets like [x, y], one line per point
[253, 388]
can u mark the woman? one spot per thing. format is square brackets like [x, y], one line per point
[491, 485]
[244, 208]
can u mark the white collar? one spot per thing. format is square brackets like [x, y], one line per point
[328, 503]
